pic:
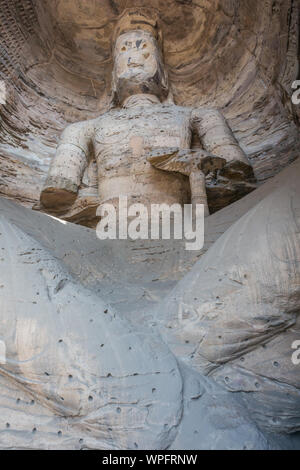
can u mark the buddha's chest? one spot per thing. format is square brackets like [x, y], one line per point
[134, 131]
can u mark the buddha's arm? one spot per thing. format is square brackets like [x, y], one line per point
[216, 135]
[68, 165]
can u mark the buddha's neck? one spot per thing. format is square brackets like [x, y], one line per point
[140, 100]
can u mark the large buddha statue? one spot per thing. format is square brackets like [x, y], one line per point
[145, 133]
[100, 346]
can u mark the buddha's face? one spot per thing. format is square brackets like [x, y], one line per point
[138, 66]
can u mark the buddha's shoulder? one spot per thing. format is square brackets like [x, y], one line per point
[155, 108]
[80, 128]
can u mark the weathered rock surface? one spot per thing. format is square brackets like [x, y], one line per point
[56, 64]
[235, 316]
[19, 181]
[131, 345]
[110, 296]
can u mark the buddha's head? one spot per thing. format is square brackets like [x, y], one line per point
[137, 56]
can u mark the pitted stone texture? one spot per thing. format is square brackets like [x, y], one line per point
[143, 120]
[85, 368]
[241, 57]
[122, 139]
[55, 320]
[236, 314]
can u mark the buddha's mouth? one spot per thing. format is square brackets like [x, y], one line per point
[135, 65]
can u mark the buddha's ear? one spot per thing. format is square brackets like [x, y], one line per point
[163, 72]
[164, 80]
[160, 38]
[114, 95]
[109, 99]
[170, 98]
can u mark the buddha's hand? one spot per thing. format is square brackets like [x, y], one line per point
[184, 161]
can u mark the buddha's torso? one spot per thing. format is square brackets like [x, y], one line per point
[122, 140]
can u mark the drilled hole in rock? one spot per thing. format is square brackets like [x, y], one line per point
[32, 402]
[257, 385]
[91, 398]
[276, 364]
[227, 379]
[153, 390]
[59, 433]
[34, 430]
[118, 410]
[70, 377]
[7, 425]
[18, 400]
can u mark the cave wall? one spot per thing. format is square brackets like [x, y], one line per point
[55, 62]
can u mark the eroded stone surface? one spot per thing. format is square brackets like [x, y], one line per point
[239, 57]
[124, 287]
[236, 314]
[116, 344]
[144, 119]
